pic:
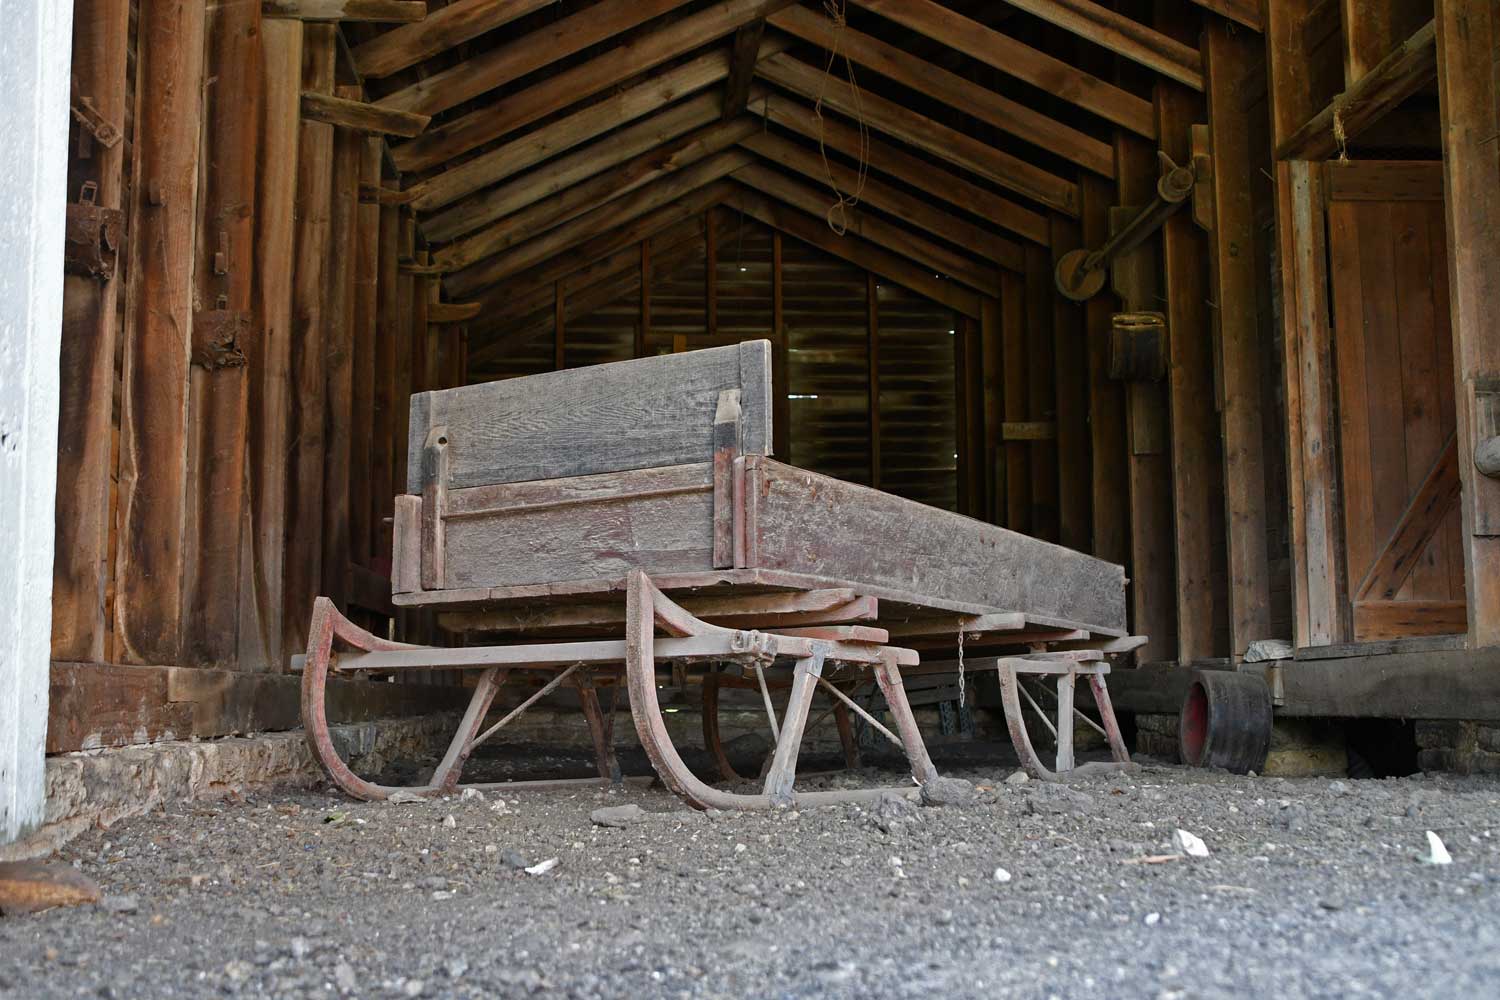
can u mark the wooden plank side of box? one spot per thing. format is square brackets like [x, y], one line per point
[587, 527]
[806, 523]
[639, 414]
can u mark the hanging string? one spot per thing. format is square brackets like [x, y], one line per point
[838, 213]
[1339, 135]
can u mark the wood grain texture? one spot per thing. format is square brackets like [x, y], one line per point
[606, 418]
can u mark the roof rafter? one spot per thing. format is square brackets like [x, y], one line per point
[1121, 35]
[440, 31]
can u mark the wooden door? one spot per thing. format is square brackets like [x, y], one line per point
[1394, 363]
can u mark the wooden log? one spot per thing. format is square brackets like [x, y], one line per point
[87, 361]
[361, 481]
[270, 389]
[351, 113]
[376, 11]
[158, 321]
[310, 333]
[442, 29]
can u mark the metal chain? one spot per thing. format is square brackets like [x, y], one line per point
[960, 666]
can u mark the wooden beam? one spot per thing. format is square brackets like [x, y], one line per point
[1075, 499]
[1041, 391]
[915, 171]
[445, 28]
[1289, 81]
[710, 275]
[893, 201]
[571, 202]
[945, 143]
[559, 325]
[951, 89]
[643, 324]
[1246, 12]
[1108, 443]
[158, 319]
[862, 223]
[1229, 58]
[1421, 519]
[1021, 61]
[1374, 28]
[872, 372]
[781, 368]
[1404, 72]
[1015, 408]
[1121, 35]
[1468, 38]
[856, 251]
[385, 477]
[744, 53]
[607, 216]
[101, 38]
[362, 503]
[453, 312]
[376, 11]
[615, 66]
[362, 117]
[518, 56]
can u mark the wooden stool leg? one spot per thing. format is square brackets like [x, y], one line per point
[1065, 722]
[446, 775]
[599, 729]
[783, 771]
[889, 678]
[1117, 748]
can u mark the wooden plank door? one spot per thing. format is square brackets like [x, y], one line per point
[1394, 362]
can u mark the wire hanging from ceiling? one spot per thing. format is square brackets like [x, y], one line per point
[838, 213]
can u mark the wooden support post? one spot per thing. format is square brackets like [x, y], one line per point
[401, 373]
[992, 350]
[1014, 351]
[1373, 29]
[310, 335]
[345, 256]
[710, 275]
[423, 363]
[362, 392]
[1153, 582]
[559, 324]
[1108, 440]
[1071, 381]
[224, 334]
[158, 324]
[87, 362]
[386, 478]
[1229, 57]
[781, 413]
[967, 348]
[1468, 38]
[872, 372]
[1041, 388]
[270, 364]
[643, 328]
[1197, 483]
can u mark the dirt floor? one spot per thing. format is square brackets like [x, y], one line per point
[1312, 888]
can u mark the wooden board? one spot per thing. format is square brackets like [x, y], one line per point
[607, 418]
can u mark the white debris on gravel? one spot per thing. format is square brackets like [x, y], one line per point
[1002, 876]
[1152, 919]
[1437, 854]
[401, 796]
[542, 867]
[470, 794]
[1189, 844]
[449, 821]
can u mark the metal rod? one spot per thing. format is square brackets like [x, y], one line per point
[863, 714]
[1038, 709]
[765, 693]
[541, 693]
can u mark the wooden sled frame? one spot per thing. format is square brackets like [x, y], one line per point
[688, 639]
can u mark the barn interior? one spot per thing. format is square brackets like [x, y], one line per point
[1199, 287]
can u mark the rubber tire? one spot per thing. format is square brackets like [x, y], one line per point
[1225, 721]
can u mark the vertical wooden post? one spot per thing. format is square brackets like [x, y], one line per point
[224, 336]
[270, 363]
[872, 372]
[1107, 424]
[992, 349]
[345, 254]
[87, 361]
[310, 335]
[1373, 29]
[425, 291]
[158, 324]
[1468, 36]
[401, 373]
[1013, 348]
[362, 402]
[711, 274]
[1042, 404]
[1071, 379]
[1229, 58]
[781, 414]
[559, 324]
[387, 479]
[644, 326]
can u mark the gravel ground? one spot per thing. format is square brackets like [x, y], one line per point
[1311, 889]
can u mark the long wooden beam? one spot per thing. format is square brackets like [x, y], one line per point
[443, 29]
[893, 201]
[1373, 31]
[377, 11]
[1399, 75]
[948, 144]
[858, 221]
[351, 114]
[615, 66]
[1019, 60]
[1121, 35]
[856, 251]
[1246, 12]
[568, 204]
[743, 55]
[949, 88]
[919, 173]
[516, 57]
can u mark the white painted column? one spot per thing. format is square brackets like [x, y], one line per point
[35, 51]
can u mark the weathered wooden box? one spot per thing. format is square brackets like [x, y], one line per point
[558, 484]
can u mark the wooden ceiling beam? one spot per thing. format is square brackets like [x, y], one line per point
[516, 57]
[908, 208]
[947, 144]
[605, 217]
[359, 116]
[1246, 12]
[1019, 60]
[815, 231]
[1123, 36]
[440, 31]
[578, 82]
[950, 89]
[539, 216]
[381, 11]
[743, 55]
[920, 174]
[859, 221]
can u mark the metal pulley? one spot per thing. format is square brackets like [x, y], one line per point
[1081, 273]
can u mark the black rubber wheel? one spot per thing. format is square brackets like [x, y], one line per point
[1225, 721]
